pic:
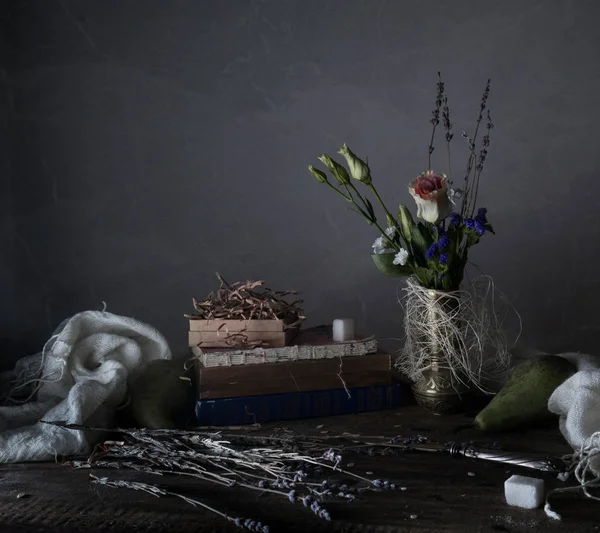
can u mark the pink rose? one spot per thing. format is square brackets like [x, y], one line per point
[430, 192]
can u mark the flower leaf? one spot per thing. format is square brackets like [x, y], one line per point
[370, 209]
[385, 265]
[426, 277]
[406, 221]
[358, 212]
[421, 239]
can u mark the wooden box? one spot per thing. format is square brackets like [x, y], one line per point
[239, 333]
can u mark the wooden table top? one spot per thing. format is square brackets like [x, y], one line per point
[442, 494]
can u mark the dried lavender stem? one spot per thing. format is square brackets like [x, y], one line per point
[430, 149]
[284, 478]
[473, 157]
[337, 469]
[154, 491]
[248, 464]
[482, 107]
[468, 210]
[235, 482]
[435, 121]
[474, 203]
[212, 477]
[449, 134]
[483, 154]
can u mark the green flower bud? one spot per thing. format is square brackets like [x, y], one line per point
[321, 177]
[390, 221]
[338, 171]
[359, 170]
[406, 221]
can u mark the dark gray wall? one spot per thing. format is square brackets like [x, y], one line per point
[156, 142]
[7, 254]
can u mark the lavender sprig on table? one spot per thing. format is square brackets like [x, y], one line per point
[246, 523]
[291, 469]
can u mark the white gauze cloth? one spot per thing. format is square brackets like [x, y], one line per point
[81, 379]
[577, 402]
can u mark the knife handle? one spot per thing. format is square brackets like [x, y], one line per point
[535, 462]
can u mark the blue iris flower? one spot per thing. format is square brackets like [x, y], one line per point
[479, 227]
[470, 223]
[443, 259]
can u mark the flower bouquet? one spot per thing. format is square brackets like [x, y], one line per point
[447, 329]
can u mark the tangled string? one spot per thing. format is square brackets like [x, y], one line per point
[463, 328]
[584, 465]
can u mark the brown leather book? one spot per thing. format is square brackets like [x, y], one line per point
[296, 376]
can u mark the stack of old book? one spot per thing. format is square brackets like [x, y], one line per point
[311, 375]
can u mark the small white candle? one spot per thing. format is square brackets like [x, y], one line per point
[343, 329]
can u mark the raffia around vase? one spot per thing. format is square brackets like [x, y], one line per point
[454, 342]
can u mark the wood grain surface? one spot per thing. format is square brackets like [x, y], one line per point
[442, 494]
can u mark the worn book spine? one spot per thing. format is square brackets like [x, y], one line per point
[296, 376]
[298, 405]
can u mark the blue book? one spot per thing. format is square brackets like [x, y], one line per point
[296, 405]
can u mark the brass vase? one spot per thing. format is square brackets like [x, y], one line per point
[438, 389]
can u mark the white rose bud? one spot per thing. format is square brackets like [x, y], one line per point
[430, 192]
[359, 170]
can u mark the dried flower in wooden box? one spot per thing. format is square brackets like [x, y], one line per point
[245, 315]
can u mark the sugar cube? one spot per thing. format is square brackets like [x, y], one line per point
[343, 329]
[523, 491]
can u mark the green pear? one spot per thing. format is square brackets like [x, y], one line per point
[159, 398]
[523, 400]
